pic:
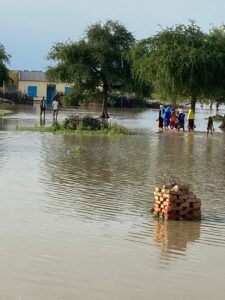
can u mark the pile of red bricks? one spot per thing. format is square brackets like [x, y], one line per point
[176, 203]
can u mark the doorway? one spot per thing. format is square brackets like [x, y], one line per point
[51, 91]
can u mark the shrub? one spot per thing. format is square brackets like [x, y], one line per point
[118, 129]
[55, 126]
[73, 98]
[84, 122]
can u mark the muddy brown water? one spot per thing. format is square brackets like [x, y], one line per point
[75, 221]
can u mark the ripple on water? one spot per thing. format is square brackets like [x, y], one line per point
[75, 217]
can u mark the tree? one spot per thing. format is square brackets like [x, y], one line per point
[216, 41]
[4, 59]
[97, 62]
[178, 61]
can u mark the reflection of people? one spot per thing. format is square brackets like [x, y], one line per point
[210, 127]
[42, 122]
[191, 120]
[55, 105]
[42, 106]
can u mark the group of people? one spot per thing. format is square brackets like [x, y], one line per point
[55, 106]
[175, 119]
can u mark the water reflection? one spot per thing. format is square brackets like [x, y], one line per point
[174, 236]
[42, 121]
[76, 208]
[99, 177]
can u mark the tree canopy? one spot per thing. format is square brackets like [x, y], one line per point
[182, 61]
[97, 62]
[4, 59]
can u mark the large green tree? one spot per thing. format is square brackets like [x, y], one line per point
[97, 63]
[179, 61]
[4, 59]
[216, 44]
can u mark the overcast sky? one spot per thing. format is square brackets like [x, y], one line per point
[29, 28]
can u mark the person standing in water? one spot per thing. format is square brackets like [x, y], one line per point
[191, 120]
[160, 121]
[42, 106]
[210, 127]
[55, 105]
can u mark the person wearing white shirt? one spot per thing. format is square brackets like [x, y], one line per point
[55, 105]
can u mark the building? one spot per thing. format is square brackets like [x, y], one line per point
[34, 84]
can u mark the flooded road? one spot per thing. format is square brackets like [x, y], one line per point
[75, 221]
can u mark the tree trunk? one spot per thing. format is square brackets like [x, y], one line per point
[222, 125]
[104, 114]
[193, 102]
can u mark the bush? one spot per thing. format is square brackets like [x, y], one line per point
[218, 118]
[72, 99]
[83, 122]
[118, 129]
[55, 126]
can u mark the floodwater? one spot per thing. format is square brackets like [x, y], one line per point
[75, 221]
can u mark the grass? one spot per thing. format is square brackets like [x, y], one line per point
[114, 129]
[4, 112]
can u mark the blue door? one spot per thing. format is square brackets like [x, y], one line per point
[51, 91]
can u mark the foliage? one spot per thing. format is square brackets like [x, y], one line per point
[217, 118]
[116, 100]
[118, 129]
[181, 61]
[4, 59]
[85, 125]
[73, 98]
[55, 126]
[83, 122]
[216, 40]
[4, 112]
[97, 63]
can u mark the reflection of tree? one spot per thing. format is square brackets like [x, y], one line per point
[175, 156]
[102, 176]
[170, 154]
[175, 236]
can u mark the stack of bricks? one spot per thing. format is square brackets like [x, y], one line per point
[176, 202]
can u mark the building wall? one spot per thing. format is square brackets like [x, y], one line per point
[41, 87]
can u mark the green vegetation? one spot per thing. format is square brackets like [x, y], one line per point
[4, 112]
[217, 118]
[98, 64]
[182, 62]
[178, 63]
[4, 59]
[73, 98]
[81, 125]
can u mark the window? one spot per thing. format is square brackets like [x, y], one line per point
[32, 91]
[68, 89]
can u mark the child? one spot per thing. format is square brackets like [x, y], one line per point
[191, 120]
[210, 125]
[181, 118]
[160, 121]
[173, 119]
[167, 118]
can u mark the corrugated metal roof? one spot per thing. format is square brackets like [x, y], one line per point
[32, 76]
